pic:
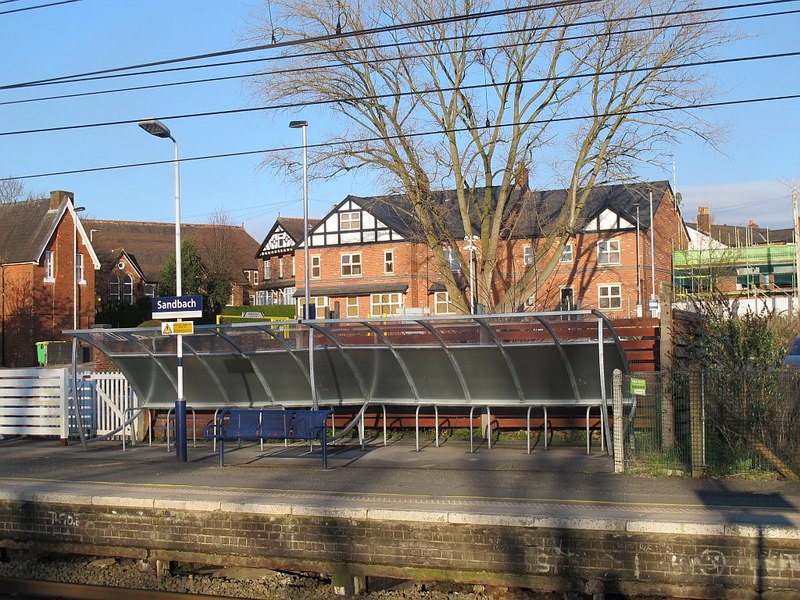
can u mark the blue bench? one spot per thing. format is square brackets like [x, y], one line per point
[236, 424]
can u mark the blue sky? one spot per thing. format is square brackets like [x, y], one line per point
[748, 181]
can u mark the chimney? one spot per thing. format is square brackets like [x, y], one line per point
[704, 220]
[521, 175]
[58, 196]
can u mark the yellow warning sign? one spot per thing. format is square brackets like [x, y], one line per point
[179, 328]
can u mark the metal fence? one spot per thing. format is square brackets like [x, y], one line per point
[712, 421]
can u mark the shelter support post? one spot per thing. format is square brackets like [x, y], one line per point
[619, 423]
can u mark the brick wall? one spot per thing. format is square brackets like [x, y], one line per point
[538, 553]
[36, 310]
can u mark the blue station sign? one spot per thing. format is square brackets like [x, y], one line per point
[177, 307]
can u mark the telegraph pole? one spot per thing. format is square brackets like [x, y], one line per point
[796, 214]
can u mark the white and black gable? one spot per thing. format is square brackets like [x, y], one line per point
[351, 223]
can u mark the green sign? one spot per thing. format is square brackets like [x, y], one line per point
[638, 386]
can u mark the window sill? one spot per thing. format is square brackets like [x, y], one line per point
[49, 279]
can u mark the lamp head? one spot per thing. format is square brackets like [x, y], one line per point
[297, 124]
[155, 127]
[78, 208]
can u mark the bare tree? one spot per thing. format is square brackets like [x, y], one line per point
[11, 190]
[218, 251]
[581, 93]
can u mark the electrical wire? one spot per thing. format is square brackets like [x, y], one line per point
[338, 64]
[477, 86]
[78, 78]
[322, 38]
[419, 134]
[17, 10]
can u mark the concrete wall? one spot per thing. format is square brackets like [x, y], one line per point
[582, 555]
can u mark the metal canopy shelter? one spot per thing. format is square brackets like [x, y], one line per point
[521, 359]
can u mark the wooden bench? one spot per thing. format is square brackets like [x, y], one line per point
[235, 424]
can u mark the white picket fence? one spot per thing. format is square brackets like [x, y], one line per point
[113, 402]
[39, 402]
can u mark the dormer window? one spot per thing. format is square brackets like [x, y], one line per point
[350, 221]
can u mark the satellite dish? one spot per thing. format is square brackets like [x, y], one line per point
[678, 198]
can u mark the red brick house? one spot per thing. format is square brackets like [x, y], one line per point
[132, 255]
[47, 275]
[366, 260]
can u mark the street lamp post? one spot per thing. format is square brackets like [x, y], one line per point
[654, 308]
[75, 209]
[158, 129]
[471, 247]
[303, 125]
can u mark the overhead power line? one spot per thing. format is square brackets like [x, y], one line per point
[478, 86]
[17, 10]
[332, 65]
[706, 105]
[321, 38]
[115, 73]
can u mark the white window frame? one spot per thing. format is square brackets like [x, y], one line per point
[351, 264]
[293, 265]
[127, 289]
[255, 277]
[453, 259]
[316, 266]
[567, 255]
[280, 267]
[606, 248]
[385, 303]
[388, 262]
[79, 269]
[113, 288]
[49, 266]
[607, 299]
[320, 305]
[267, 269]
[150, 290]
[527, 256]
[442, 305]
[350, 220]
[351, 307]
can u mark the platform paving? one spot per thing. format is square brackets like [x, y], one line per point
[559, 486]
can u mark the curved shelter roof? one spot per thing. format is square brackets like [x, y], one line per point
[467, 360]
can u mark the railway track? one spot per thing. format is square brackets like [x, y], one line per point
[50, 590]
